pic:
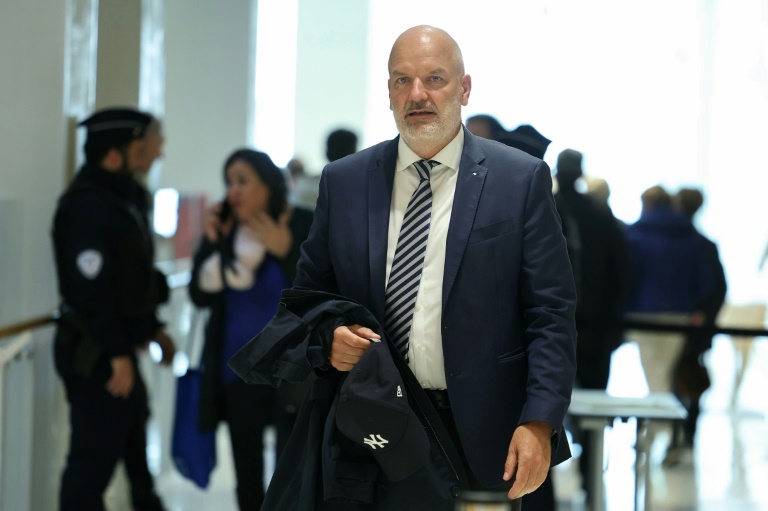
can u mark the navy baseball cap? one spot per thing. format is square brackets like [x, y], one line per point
[373, 411]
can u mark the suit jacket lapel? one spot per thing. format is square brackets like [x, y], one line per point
[381, 178]
[469, 185]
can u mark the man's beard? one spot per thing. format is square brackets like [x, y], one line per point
[440, 131]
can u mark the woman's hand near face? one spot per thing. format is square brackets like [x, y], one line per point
[214, 227]
[276, 236]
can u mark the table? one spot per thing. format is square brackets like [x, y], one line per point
[595, 409]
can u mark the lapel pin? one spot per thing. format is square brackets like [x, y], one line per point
[474, 173]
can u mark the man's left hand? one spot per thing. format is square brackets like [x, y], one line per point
[528, 458]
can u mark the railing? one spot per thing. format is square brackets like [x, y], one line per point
[16, 413]
[30, 324]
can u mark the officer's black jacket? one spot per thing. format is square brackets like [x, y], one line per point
[320, 468]
[113, 304]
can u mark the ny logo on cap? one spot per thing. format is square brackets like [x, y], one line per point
[373, 443]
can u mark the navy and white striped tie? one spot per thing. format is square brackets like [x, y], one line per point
[405, 274]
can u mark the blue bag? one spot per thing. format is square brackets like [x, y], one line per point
[193, 451]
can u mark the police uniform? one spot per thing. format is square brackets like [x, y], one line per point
[110, 291]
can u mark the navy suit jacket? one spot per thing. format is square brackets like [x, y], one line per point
[508, 295]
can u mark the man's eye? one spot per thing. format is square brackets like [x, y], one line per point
[435, 78]
[402, 79]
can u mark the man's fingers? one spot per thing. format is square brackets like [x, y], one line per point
[346, 354]
[349, 344]
[511, 464]
[528, 458]
[520, 487]
[350, 356]
[342, 366]
[347, 341]
[364, 332]
[116, 388]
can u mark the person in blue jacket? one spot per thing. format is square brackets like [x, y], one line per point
[670, 277]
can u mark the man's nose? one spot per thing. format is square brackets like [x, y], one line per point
[418, 92]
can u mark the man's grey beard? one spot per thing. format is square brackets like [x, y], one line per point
[437, 133]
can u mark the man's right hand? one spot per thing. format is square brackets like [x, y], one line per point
[349, 344]
[121, 382]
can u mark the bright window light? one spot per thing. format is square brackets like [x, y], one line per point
[166, 218]
[275, 87]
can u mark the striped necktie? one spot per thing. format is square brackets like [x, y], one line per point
[405, 274]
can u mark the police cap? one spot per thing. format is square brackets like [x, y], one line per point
[526, 138]
[113, 128]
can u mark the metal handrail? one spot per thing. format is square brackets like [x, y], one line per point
[29, 324]
[10, 350]
[176, 280]
[689, 329]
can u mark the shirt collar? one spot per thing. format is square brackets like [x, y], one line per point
[450, 155]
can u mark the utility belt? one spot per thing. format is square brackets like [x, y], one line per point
[73, 335]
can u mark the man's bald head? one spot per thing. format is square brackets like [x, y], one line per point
[425, 33]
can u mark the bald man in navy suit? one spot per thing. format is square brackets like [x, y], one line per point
[491, 334]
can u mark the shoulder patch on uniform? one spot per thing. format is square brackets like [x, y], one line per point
[89, 263]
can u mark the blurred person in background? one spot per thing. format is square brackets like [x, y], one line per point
[671, 277]
[303, 187]
[246, 258]
[340, 143]
[691, 378]
[110, 292]
[485, 126]
[604, 274]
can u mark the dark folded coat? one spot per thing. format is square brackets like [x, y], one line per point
[320, 468]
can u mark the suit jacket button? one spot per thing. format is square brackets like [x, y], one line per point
[455, 491]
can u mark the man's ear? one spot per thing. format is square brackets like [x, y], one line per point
[466, 86]
[113, 160]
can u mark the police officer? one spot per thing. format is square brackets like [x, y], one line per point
[110, 292]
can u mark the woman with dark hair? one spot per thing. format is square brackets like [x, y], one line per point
[246, 258]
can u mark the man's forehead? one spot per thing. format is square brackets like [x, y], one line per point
[399, 71]
[426, 49]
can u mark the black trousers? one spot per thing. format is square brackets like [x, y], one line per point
[105, 429]
[443, 408]
[248, 409]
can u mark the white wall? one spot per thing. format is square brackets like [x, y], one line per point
[33, 142]
[119, 54]
[208, 90]
[331, 80]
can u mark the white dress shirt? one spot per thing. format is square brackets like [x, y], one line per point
[425, 352]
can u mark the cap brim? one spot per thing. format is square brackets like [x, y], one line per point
[409, 455]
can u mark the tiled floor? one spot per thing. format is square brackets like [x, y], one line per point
[727, 471]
